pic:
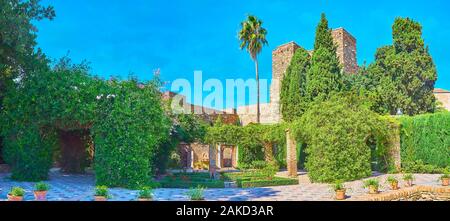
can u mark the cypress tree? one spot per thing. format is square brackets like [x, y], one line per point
[293, 86]
[324, 76]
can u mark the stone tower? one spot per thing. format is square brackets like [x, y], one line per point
[346, 50]
[282, 56]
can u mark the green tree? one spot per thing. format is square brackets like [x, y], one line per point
[18, 39]
[253, 37]
[293, 86]
[324, 76]
[403, 75]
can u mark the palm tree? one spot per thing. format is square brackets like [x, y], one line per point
[253, 37]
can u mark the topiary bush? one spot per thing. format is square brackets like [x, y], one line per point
[337, 132]
[425, 142]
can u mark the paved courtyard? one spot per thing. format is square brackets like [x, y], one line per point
[81, 188]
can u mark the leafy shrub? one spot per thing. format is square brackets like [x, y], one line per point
[270, 170]
[337, 132]
[127, 133]
[17, 191]
[196, 193]
[371, 182]
[408, 177]
[425, 142]
[391, 180]
[146, 193]
[41, 186]
[259, 164]
[102, 191]
[338, 185]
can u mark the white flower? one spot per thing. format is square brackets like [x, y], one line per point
[111, 96]
[99, 96]
[75, 87]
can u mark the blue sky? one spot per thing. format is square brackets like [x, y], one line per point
[179, 36]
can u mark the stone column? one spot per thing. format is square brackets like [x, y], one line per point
[212, 160]
[291, 155]
[394, 149]
[219, 156]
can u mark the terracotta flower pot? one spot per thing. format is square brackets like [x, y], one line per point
[14, 198]
[144, 199]
[394, 186]
[100, 198]
[445, 181]
[340, 194]
[40, 195]
[373, 189]
[409, 183]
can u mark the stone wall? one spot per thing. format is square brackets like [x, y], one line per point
[443, 96]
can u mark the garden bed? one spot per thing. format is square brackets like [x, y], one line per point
[255, 179]
[190, 180]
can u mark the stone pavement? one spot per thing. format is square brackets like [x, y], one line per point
[81, 188]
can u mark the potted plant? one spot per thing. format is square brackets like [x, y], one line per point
[101, 193]
[373, 185]
[196, 194]
[339, 189]
[40, 191]
[16, 194]
[393, 182]
[145, 194]
[408, 178]
[445, 178]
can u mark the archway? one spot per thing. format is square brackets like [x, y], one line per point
[76, 150]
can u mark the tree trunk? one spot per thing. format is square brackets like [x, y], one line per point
[268, 151]
[257, 93]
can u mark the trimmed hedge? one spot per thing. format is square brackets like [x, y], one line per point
[425, 142]
[190, 180]
[276, 181]
[256, 179]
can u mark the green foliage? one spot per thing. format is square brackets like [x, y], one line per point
[338, 185]
[324, 39]
[127, 132]
[18, 52]
[145, 193]
[270, 170]
[189, 180]
[371, 182]
[403, 75]
[276, 181]
[17, 191]
[250, 179]
[102, 191]
[324, 77]
[293, 86]
[196, 193]
[250, 139]
[337, 133]
[127, 123]
[391, 179]
[425, 142]
[408, 177]
[41, 186]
